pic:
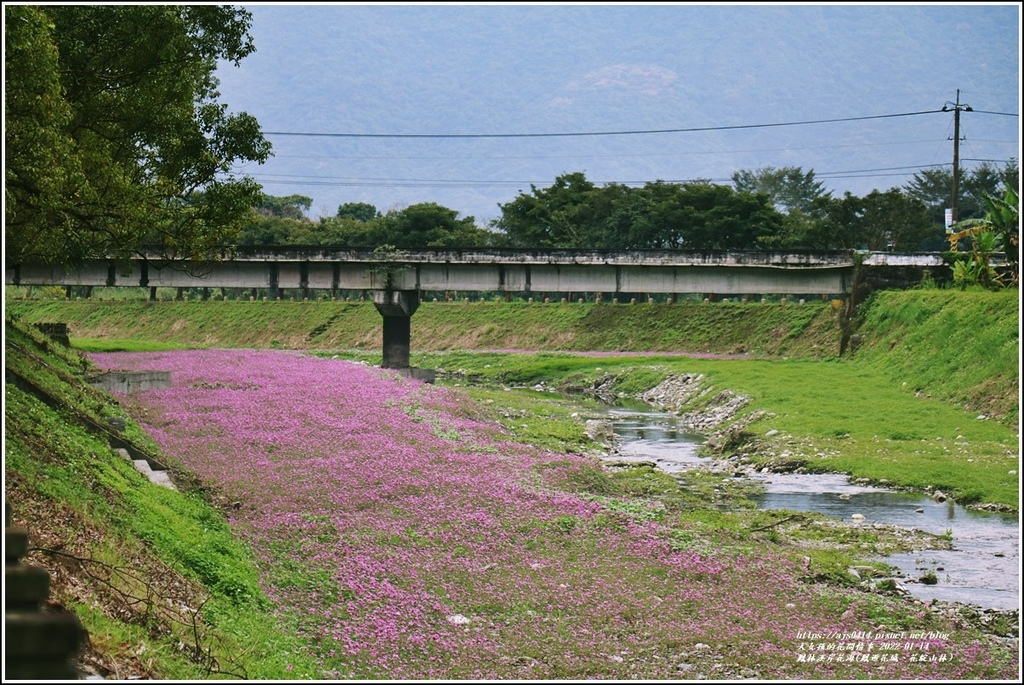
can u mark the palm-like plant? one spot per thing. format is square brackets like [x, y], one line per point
[998, 230]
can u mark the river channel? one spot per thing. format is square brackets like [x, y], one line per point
[982, 569]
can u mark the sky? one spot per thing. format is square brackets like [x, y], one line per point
[469, 105]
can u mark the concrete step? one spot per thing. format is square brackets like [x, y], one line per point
[158, 477]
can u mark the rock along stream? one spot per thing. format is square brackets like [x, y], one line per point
[982, 569]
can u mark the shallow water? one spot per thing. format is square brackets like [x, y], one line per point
[982, 569]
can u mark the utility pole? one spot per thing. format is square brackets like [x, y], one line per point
[957, 108]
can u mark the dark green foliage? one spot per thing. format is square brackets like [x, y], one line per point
[889, 221]
[574, 213]
[42, 170]
[934, 187]
[789, 188]
[359, 211]
[423, 225]
[290, 207]
[117, 141]
[427, 225]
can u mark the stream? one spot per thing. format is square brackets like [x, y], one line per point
[982, 569]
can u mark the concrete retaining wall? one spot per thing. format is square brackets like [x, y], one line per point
[132, 381]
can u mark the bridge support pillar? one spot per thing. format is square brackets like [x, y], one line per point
[397, 308]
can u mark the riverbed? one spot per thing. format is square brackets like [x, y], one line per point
[982, 569]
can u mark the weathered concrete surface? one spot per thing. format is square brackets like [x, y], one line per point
[473, 270]
[493, 270]
[396, 307]
[132, 381]
[158, 476]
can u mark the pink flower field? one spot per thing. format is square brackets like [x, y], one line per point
[404, 537]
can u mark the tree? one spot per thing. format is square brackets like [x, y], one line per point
[43, 173]
[358, 211]
[708, 216]
[655, 217]
[290, 207]
[339, 231]
[998, 230]
[140, 131]
[271, 230]
[789, 188]
[1003, 218]
[934, 187]
[574, 213]
[427, 225]
[557, 216]
[894, 221]
[881, 221]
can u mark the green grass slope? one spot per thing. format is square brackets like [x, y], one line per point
[962, 347]
[155, 576]
[959, 346]
[809, 329]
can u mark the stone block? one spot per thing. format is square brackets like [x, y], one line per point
[25, 586]
[41, 635]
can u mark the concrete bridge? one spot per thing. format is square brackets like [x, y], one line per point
[397, 278]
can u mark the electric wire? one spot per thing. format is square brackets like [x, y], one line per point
[342, 182]
[331, 181]
[595, 133]
[1002, 114]
[687, 153]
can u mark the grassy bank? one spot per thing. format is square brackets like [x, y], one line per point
[156, 576]
[961, 347]
[810, 329]
[824, 416]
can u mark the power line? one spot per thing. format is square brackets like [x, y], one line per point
[333, 181]
[1002, 114]
[976, 159]
[594, 133]
[686, 153]
[891, 168]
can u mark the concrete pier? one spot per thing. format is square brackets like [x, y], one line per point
[397, 308]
